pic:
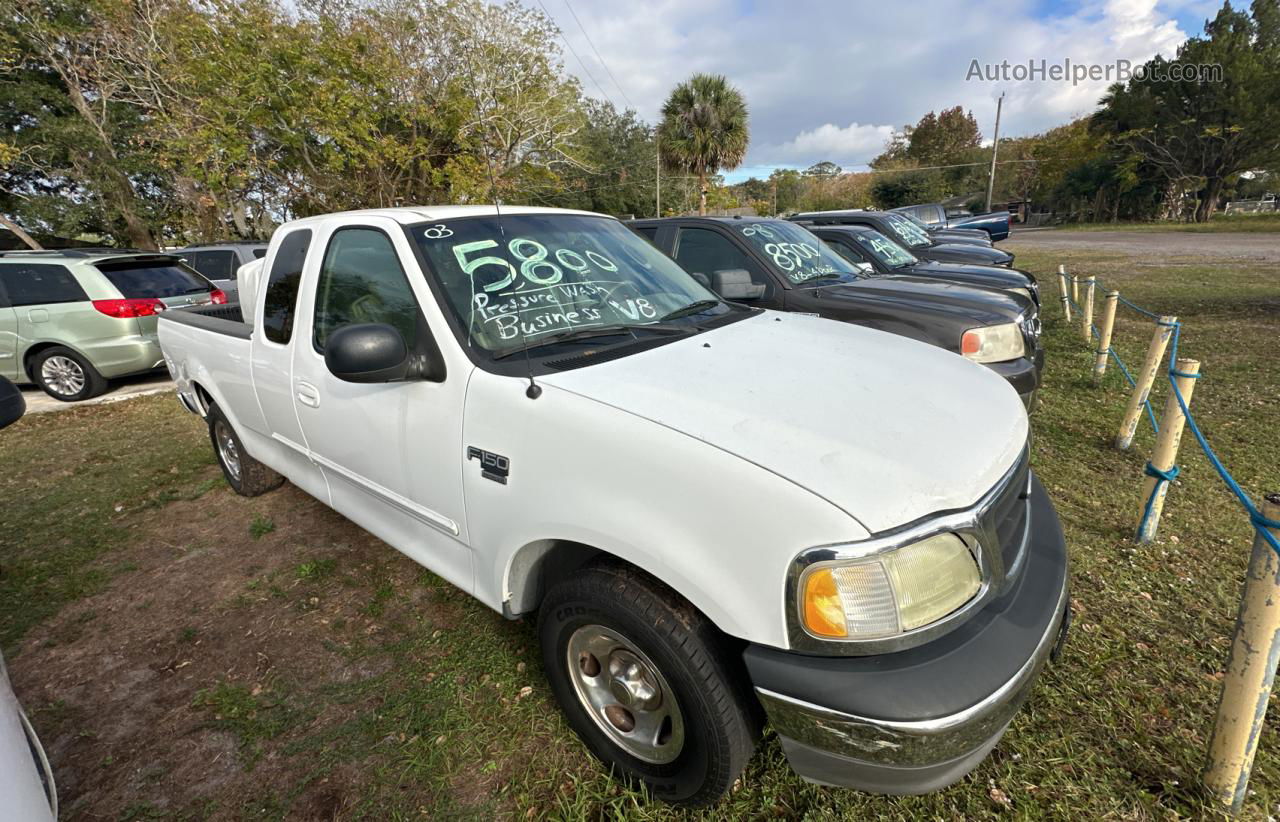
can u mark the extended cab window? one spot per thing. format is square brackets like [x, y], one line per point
[513, 280]
[361, 281]
[29, 284]
[153, 279]
[281, 300]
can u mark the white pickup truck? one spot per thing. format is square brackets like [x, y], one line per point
[718, 514]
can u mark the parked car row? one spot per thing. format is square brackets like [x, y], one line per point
[783, 266]
[720, 508]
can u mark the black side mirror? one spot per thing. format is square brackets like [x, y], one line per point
[369, 352]
[12, 403]
[736, 284]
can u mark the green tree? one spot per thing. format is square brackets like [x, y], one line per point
[1199, 132]
[703, 129]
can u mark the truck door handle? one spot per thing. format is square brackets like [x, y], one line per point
[308, 395]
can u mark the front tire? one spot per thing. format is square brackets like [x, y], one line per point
[66, 376]
[648, 683]
[246, 476]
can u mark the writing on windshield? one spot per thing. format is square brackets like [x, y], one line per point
[908, 231]
[884, 249]
[799, 255]
[535, 275]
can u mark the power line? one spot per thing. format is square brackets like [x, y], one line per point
[598, 57]
[567, 44]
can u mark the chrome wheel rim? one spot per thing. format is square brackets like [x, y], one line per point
[625, 694]
[227, 451]
[63, 374]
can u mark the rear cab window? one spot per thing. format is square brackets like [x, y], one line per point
[39, 284]
[136, 279]
[216, 265]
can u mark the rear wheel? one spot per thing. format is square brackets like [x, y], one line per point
[65, 375]
[246, 476]
[648, 683]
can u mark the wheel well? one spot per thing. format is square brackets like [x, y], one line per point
[205, 398]
[29, 358]
[538, 566]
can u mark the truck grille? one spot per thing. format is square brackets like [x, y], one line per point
[1006, 518]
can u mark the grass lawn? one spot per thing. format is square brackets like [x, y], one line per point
[1218, 223]
[187, 653]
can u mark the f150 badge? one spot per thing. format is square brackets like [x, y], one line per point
[492, 466]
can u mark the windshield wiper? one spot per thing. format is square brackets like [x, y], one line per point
[612, 330]
[695, 307]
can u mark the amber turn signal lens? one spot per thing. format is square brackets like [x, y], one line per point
[823, 613]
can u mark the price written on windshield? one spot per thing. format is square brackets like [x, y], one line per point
[531, 297]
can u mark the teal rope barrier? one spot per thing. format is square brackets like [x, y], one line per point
[1260, 523]
[1151, 414]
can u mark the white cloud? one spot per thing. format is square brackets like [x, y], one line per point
[853, 144]
[805, 68]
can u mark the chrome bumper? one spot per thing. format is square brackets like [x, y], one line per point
[918, 720]
[912, 744]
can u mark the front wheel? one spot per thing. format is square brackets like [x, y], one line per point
[647, 682]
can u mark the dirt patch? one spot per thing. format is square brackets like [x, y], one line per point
[178, 686]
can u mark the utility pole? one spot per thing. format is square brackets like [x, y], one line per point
[995, 147]
[657, 176]
[775, 199]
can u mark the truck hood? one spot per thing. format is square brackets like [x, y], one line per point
[883, 427]
[995, 276]
[957, 253]
[975, 304]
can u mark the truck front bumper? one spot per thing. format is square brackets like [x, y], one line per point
[919, 720]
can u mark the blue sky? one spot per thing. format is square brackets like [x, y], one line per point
[831, 80]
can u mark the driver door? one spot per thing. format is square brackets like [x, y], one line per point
[391, 451]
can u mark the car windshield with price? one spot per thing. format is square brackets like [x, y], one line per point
[797, 254]
[531, 281]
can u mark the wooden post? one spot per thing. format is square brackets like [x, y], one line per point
[1062, 287]
[1165, 456]
[1104, 336]
[1251, 668]
[1075, 289]
[1155, 353]
[1086, 318]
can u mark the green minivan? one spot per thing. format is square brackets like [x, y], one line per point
[73, 319]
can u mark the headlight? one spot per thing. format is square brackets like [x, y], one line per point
[994, 343]
[890, 593]
[1026, 292]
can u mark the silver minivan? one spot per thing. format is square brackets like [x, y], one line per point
[70, 320]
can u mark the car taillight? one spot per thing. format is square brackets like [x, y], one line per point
[127, 309]
[218, 297]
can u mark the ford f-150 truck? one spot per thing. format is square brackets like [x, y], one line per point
[776, 264]
[719, 514]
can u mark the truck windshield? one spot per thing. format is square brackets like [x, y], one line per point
[797, 253]
[885, 250]
[907, 232]
[512, 280]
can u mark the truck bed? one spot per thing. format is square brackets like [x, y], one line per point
[220, 319]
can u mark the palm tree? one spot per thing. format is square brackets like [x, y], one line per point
[703, 129]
